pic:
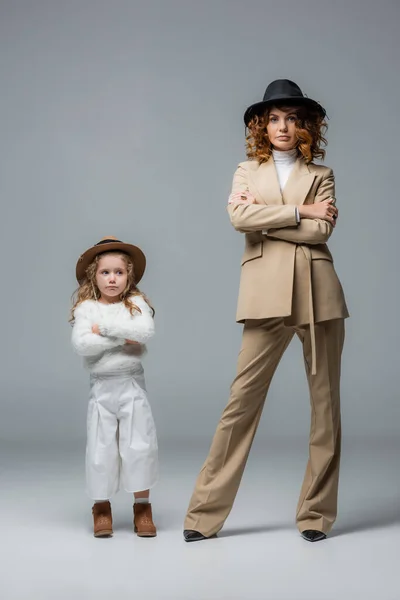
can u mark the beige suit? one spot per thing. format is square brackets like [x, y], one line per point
[288, 285]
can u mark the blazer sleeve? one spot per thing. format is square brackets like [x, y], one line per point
[84, 341]
[248, 218]
[136, 328]
[310, 231]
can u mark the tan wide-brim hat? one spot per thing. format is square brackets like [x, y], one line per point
[111, 244]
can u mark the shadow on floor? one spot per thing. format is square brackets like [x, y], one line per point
[377, 517]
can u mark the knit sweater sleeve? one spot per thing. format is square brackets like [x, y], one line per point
[136, 328]
[84, 341]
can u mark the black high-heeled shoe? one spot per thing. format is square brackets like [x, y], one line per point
[193, 536]
[312, 535]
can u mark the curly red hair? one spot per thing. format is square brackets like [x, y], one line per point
[310, 129]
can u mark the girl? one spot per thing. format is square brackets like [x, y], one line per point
[285, 205]
[112, 321]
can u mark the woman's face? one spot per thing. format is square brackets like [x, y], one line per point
[281, 128]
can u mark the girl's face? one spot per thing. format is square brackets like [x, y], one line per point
[281, 128]
[111, 277]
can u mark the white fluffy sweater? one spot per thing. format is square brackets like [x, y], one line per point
[109, 353]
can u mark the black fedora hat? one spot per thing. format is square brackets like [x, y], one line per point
[282, 91]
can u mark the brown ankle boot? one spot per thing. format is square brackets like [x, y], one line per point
[143, 520]
[102, 519]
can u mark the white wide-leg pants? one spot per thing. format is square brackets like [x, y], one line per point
[121, 436]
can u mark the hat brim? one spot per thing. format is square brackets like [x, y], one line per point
[259, 107]
[135, 253]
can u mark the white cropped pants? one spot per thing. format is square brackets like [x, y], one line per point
[121, 436]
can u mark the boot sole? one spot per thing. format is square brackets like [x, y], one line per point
[104, 533]
[144, 533]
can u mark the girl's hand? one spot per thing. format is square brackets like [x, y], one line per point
[320, 210]
[138, 349]
[95, 329]
[241, 198]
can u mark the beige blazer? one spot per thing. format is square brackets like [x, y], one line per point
[289, 271]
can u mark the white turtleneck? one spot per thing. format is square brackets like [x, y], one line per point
[284, 162]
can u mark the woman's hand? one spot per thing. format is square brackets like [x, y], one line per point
[95, 329]
[241, 198]
[320, 210]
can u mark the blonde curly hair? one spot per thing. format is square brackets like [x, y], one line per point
[88, 289]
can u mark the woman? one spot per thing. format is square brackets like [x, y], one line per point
[285, 205]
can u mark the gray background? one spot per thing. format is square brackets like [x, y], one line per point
[125, 118]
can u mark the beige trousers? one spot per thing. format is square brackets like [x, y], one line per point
[263, 344]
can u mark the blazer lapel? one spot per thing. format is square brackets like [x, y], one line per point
[266, 183]
[299, 183]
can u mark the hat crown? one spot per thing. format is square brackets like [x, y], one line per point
[110, 239]
[282, 88]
